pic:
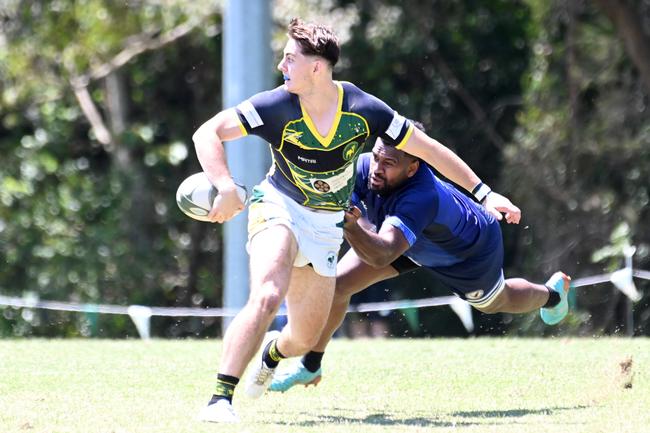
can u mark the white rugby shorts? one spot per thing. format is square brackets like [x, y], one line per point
[319, 233]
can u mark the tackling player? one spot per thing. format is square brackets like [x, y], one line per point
[422, 222]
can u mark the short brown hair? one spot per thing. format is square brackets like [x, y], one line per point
[315, 40]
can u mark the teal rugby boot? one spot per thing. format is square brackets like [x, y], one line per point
[297, 374]
[560, 283]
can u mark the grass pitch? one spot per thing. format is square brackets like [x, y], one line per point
[433, 385]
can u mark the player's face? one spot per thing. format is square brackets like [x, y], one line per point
[296, 68]
[389, 168]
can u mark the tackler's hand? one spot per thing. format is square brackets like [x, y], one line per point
[352, 215]
[497, 205]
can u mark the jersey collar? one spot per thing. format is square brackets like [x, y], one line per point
[327, 140]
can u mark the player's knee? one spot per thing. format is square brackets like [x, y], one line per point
[499, 304]
[266, 302]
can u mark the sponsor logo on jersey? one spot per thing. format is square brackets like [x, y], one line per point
[322, 186]
[307, 160]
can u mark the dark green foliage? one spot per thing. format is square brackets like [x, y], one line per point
[542, 101]
[407, 47]
[97, 223]
[580, 160]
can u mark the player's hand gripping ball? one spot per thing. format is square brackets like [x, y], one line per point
[196, 194]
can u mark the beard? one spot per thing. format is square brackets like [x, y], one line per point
[383, 189]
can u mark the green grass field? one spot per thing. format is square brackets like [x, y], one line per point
[437, 385]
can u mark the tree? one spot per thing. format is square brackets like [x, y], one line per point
[629, 18]
[98, 108]
[580, 157]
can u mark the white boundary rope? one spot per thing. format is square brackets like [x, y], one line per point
[141, 314]
[34, 302]
[27, 302]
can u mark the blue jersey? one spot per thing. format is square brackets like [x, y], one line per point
[447, 231]
[314, 170]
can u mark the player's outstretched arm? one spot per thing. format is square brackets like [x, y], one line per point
[455, 169]
[376, 249]
[441, 158]
[208, 142]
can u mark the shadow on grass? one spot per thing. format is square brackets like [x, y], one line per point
[394, 419]
[513, 413]
[374, 419]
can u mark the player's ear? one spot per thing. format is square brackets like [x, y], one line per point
[413, 167]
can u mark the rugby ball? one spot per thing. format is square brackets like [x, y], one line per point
[196, 194]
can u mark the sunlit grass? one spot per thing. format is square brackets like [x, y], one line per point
[474, 385]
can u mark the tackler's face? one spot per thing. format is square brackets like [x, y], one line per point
[297, 68]
[389, 168]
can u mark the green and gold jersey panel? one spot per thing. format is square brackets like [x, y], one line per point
[323, 172]
[314, 170]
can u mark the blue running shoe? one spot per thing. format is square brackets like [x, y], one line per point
[561, 284]
[296, 375]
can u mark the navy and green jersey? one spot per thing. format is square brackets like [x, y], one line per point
[448, 232]
[314, 170]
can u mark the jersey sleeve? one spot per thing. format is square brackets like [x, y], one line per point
[263, 114]
[386, 123]
[362, 173]
[412, 212]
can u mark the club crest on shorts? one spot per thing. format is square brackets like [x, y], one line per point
[331, 259]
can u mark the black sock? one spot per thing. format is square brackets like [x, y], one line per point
[272, 355]
[553, 298]
[312, 360]
[225, 388]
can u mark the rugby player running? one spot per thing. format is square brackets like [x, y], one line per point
[316, 128]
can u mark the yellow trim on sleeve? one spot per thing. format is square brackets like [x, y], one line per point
[242, 128]
[406, 137]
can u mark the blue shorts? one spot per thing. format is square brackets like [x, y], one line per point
[477, 279]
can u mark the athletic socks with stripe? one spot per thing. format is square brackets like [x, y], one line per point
[272, 355]
[225, 388]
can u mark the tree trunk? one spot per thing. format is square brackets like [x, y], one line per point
[572, 85]
[628, 21]
[140, 212]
